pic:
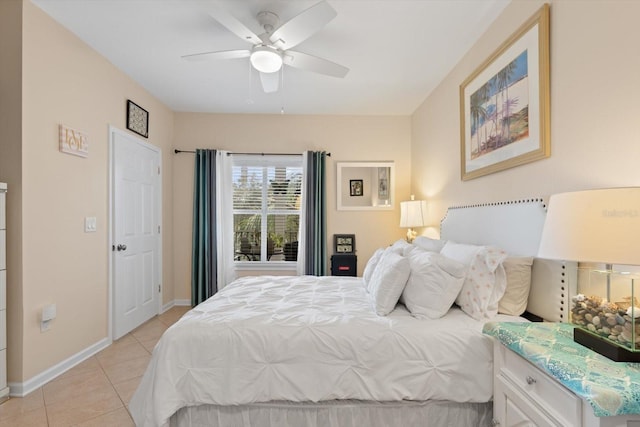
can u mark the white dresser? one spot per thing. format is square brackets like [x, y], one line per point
[4, 390]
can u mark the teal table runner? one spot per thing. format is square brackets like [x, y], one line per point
[612, 388]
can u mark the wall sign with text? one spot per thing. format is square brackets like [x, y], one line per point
[72, 141]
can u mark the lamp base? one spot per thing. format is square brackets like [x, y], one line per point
[411, 235]
[604, 347]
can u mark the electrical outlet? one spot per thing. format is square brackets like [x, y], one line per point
[49, 312]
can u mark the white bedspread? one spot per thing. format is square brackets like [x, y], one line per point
[310, 339]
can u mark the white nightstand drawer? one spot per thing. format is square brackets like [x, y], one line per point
[3, 329]
[3, 289]
[519, 409]
[3, 243]
[3, 372]
[3, 216]
[552, 397]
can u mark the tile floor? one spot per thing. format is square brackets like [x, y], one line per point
[97, 391]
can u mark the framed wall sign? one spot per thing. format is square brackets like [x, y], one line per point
[137, 119]
[344, 243]
[72, 141]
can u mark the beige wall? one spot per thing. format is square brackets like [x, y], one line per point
[66, 82]
[595, 140]
[11, 166]
[346, 137]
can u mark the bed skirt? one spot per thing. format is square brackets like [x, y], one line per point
[337, 414]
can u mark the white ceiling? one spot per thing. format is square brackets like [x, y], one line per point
[397, 51]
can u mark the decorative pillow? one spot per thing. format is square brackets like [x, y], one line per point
[388, 281]
[432, 245]
[402, 247]
[433, 285]
[485, 281]
[515, 298]
[371, 266]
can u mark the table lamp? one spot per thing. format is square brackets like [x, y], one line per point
[600, 226]
[413, 213]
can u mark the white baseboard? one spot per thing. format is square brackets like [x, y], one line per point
[174, 303]
[167, 306]
[24, 388]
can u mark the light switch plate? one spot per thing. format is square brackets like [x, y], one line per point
[90, 224]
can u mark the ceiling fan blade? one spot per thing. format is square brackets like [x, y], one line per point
[270, 81]
[302, 26]
[222, 54]
[313, 63]
[232, 24]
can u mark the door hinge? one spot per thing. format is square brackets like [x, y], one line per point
[159, 288]
[158, 229]
[158, 170]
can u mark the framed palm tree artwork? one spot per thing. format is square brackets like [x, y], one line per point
[504, 104]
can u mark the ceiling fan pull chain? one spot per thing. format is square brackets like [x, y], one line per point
[250, 98]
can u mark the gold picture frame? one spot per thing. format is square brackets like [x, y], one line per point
[505, 104]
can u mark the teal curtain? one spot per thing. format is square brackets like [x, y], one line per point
[204, 249]
[316, 215]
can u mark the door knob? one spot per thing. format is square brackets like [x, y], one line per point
[121, 247]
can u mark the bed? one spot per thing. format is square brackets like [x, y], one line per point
[316, 351]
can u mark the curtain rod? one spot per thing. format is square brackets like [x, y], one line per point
[252, 154]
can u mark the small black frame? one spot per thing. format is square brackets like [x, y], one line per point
[355, 187]
[137, 119]
[344, 243]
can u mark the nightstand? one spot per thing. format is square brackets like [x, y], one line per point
[543, 378]
[344, 265]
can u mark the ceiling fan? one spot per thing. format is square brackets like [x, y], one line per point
[271, 50]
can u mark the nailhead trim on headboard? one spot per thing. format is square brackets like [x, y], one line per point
[508, 202]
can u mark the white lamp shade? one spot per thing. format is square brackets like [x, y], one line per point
[266, 59]
[600, 226]
[413, 213]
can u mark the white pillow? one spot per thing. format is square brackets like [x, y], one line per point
[432, 245]
[485, 281]
[515, 298]
[371, 266]
[402, 247]
[388, 281]
[433, 285]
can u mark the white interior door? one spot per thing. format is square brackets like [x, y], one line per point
[135, 228]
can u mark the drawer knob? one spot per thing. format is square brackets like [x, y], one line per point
[530, 380]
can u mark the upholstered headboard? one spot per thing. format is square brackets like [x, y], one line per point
[516, 226]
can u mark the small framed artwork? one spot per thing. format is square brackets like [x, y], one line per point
[344, 243]
[504, 104]
[137, 119]
[383, 183]
[355, 186]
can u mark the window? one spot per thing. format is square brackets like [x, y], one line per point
[266, 207]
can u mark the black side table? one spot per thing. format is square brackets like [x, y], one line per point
[344, 265]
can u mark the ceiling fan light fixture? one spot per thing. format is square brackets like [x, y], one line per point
[266, 59]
